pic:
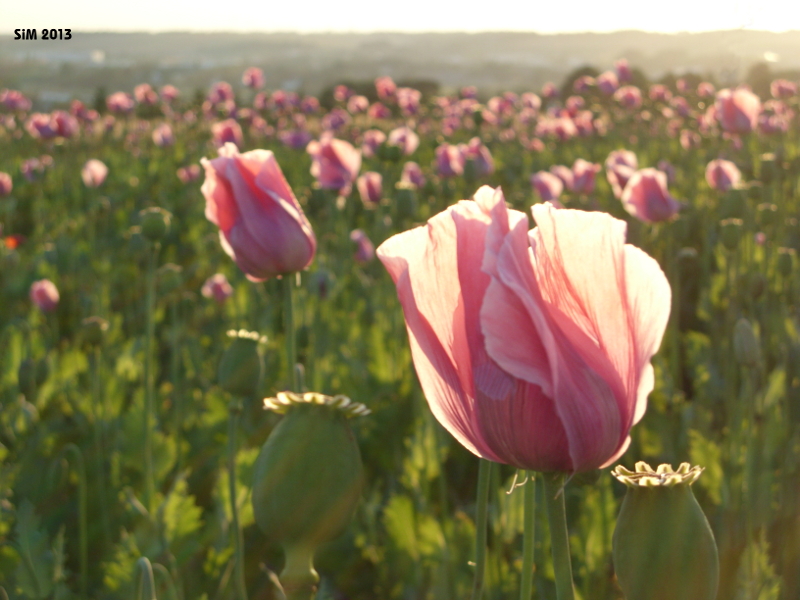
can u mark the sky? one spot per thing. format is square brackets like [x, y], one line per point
[541, 16]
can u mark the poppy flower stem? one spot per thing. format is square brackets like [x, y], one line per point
[234, 409]
[287, 281]
[559, 536]
[149, 490]
[484, 477]
[526, 585]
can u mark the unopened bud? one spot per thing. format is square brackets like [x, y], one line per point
[785, 262]
[731, 233]
[745, 344]
[767, 213]
[241, 366]
[93, 330]
[169, 277]
[155, 223]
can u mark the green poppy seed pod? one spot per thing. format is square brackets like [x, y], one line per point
[169, 278]
[93, 330]
[767, 213]
[731, 233]
[663, 547]
[26, 378]
[757, 282]
[241, 366]
[477, 116]
[405, 201]
[785, 261]
[745, 344]
[733, 203]
[136, 242]
[155, 223]
[769, 168]
[755, 191]
[307, 479]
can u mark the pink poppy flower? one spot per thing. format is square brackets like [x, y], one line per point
[227, 131]
[623, 70]
[629, 96]
[370, 188]
[722, 175]
[218, 288]
[583, 173]
[378, 111]
[737, 110]
[145, 94]
[357, 104]
[44, 294]
[533, 348]
[261, 225]
[335, 163]
[385, 87]
[163, 136]
[782, 88]
[253, 78]
[365, 249]
[547, 185]
[706, 89]
[479, 154]
[450, 160]
[169, 93]
[620, 167]
[608, 82]
[405, 138]
[120, 102]
[412, 175]
[373, 138]
[6, 184]
[94, 173]
[646, 197]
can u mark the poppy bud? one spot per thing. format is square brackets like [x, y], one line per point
[785, 261]
[767, 213]
[745, 344]
[663, 547]
[241, 366]
[307, 480]
[769, 168]
[731, 233]
[136, 242]
[155, 223]
[26, 378]
[169, 277]
[93, 330]
[733, 204]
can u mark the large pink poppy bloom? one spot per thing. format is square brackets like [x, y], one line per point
[737, 110]
[532, 347]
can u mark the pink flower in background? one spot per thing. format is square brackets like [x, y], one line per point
[608, 82]
[574, 104]
[782, 88]
[341, 93]
[666, 167]
[227, 131]
[32, 168]
[623, 70]
[64, 124]
[295, 138]
[262, 227]
[357, 104]
[583, 173]
[690, 139]
[44, 294]
[620, 167]
[629, 96]
[373, 138]
[120, 102]
[41, 126]
[169, 93]
[583, 84]
[469, 91]
[336, 119]
[737, 110]
[15, 100]
[6, 185]
[533, 348]
[449, 160]
[378, 111]
[682, 85]
[564, 174]
[412, 174]
[646, 197]
[549, 91]
[145, 94]
[760, 238]
[386, 88]
[370, 188]
[365, 249]
[531, 100]
[94, 173]
[722, 175]
[163, 136]
[659, 93]
[479, 154]
[309, 105]
[220, 92]
[188, 174]
[408, 100]
[405, 138]
[217, 287]
[706, 89]
[547, 185]
[584, 123]
[253, 78]
[335, 163]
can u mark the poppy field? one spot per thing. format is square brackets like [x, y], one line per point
[387, 344]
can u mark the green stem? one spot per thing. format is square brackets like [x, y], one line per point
[164, 573]
[526, 585]
[559, 538]
[288, 326]
[234, 409]
[149, 490]
[174, 376]
[145, 582]
[83, 496]
[99, 446]
[484, 476]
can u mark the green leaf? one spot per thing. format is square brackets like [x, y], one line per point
[707, 454]
[34, 573]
